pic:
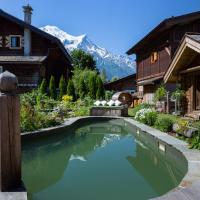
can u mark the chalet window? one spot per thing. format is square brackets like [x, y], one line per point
[15, 41]
[154, 57]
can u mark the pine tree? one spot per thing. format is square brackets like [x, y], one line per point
[100, 94]
[92, 87]
[43, 86]
[52, 88]
[82, 88]
[103, 75]
[62, 87]
[71, 89]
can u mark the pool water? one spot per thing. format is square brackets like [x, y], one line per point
[99, 160]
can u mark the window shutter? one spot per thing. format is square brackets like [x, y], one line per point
[7, 41]
[22, 41]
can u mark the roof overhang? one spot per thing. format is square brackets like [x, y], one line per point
[22, 59]
[150, 81]
[187, 51]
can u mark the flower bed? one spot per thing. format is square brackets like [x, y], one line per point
[184, 129]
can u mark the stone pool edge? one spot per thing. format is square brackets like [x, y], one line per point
[192, 156]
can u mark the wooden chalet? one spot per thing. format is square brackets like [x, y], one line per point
[185, 70]
[155, 51]
[30, 53]
[127, 83]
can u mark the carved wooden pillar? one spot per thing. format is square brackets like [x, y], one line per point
[10, 140]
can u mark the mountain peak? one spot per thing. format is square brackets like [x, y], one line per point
[115, 65]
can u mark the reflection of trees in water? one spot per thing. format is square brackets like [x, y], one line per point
[45, 159]
[149, 159]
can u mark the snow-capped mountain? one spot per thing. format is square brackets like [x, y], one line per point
[114, 65]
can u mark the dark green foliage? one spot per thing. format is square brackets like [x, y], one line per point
[164, 124]
[62, 87]
[103, 75]
[133, 111]
[108, 95]
[150, 118]
[83, 60]
[114, 78]
[160, 93]
[100, 94]
[52, 88]
[82, 88]
[43, 86]
[71, 89]
[195, 142]
[92, 86]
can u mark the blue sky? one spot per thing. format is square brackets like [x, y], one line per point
[113, 24]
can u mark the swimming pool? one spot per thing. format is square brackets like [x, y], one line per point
[100, 159]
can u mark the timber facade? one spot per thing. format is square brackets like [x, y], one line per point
[30, 53]
[185, 70]
[127, 83]
[155, 51]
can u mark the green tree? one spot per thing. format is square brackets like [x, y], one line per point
[114, 78]
[62, 87]
[100, 94]
[160, 93]
[103, 75]
[92, 86]
[83, 60]
[43, 87]
[52, 88]
[82, 88]
[71, 89]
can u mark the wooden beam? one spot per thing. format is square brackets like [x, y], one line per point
[192, 69]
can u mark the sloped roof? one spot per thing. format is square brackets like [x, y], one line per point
[121, 79]
[186, 52]
[36, 30]
[163, 26]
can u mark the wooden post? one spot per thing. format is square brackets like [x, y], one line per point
[10, 140]
[168, 103]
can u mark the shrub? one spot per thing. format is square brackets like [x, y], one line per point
[147, 116]
[182, 126]
[62, 87]
[164, 124]
[43, 87]
[71, 90]
[100, 94]
[108, 94]
[150, 118]
[160, 93]
[195, 142]
[32, 114]
[52, 88]
[92, 86]
[82, 88]
[133, 111]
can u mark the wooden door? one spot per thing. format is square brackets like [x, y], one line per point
[197, 92]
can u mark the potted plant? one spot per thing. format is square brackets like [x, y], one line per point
[177, 96]
[159, 96]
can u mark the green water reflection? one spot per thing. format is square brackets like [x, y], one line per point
[103, 160]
